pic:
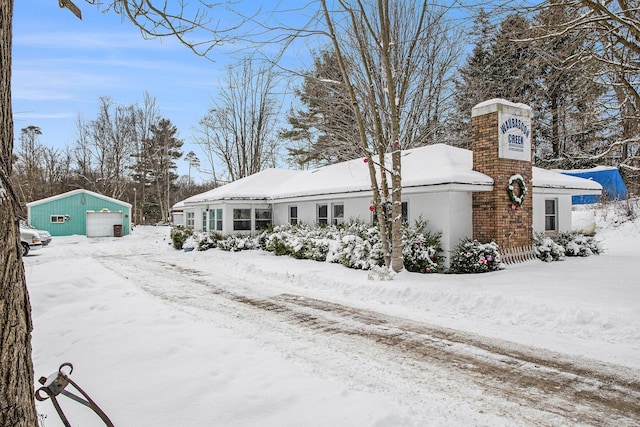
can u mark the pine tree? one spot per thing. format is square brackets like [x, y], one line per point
[159, 155]
[476, 81]
[324, 129]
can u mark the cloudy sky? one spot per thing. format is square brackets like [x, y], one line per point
[62, 65]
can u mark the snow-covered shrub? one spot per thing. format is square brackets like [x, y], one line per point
[355, 252]
[546, 249]
[356, 245]
[421, 249]
[238, 242]
[313, 249]
[179, 235]
[209, 240]
[377, 272]
[190, 243]
[471, 256]
[576, 244]
[278, 241]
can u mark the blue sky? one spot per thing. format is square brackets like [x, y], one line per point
[62, 65]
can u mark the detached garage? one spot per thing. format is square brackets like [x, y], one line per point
[81, 212]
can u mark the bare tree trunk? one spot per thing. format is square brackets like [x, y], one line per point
[17, 403]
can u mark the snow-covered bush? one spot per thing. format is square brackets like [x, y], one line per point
[209, 240]
[421, 249]
[576, 244]
[277, 240]
[190, 243]
[357, 246]
[546, 249]
[179, 235]
[354, 252]
[471, 256]
[380, 273]
[301, 241]
[238, 242]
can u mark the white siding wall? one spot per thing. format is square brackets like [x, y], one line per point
[447, 212]
[356, 208]
[564, 210]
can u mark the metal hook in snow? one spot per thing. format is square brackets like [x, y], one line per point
[55, 384]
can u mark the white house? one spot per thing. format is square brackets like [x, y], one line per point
[437, 184]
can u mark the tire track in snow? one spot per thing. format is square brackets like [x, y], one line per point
[578, 391]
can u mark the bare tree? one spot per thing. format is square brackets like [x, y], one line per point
[239, 128]
[384, 43]
[27, 174]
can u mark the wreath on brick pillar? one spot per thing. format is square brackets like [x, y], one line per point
[516, 201]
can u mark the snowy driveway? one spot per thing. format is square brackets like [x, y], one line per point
[335, 361]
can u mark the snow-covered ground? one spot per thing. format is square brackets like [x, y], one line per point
[157, 336]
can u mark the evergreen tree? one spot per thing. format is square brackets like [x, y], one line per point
[159, 154]
[323, 130]
[476, 81]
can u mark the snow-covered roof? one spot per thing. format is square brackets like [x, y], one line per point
[259, 186]
[550, 179]
[429, 165]
[74, 192]
[424, 166]
[594, 169]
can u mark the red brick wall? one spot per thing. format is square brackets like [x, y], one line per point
[494, 218]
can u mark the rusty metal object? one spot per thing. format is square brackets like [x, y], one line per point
[55, 385]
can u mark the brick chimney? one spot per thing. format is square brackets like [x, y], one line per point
[501, 142]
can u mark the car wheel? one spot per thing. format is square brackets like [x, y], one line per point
[25, 249]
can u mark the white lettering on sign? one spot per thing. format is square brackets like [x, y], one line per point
[514, 136]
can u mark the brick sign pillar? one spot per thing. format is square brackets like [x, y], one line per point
[501, 140]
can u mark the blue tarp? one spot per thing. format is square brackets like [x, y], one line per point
[613, 187]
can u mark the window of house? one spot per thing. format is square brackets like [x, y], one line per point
[322, 214]
[293, 215]
[215, 219]
[218, 219]
[191, 216]
[337, 213]
[263, 218]
[57, 219]
[551, 215]
[242, 219]
[212, 220]
[204, 220]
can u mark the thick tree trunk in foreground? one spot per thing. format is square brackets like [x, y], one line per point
[17, 403]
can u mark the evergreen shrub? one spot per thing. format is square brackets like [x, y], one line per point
[546, 249]
[179, 234]
[237, 242]
[209, 240]
[421, 250]
[576, 244]
[471, 256]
